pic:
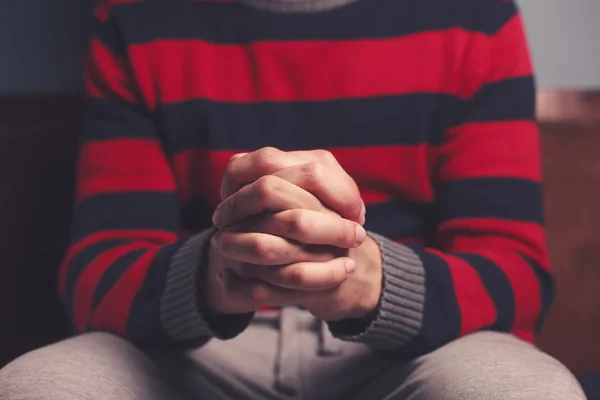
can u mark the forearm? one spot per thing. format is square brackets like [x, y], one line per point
[430, 298]
[145, 291]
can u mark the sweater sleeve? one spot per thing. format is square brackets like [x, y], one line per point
[489, 268]
[129, 270]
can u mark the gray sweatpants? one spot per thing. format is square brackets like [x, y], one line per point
[286, 358]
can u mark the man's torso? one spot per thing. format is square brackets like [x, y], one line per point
[377, 82]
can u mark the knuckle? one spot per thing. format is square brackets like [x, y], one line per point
[324, 155]
[266, 186]
[259, 294]
[267, 157]
[296, 224]
[297, 276]
[261, 249]
[314, 172]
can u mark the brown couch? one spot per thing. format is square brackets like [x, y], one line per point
[37, 147]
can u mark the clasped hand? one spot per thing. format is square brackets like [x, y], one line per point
[289, 232]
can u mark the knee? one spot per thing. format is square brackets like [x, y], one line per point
[495, 366]
[84, 367]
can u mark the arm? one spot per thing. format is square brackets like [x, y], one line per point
[128, 270]
[490, 269]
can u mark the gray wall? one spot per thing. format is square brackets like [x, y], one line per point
[42, 43]
[565, 41]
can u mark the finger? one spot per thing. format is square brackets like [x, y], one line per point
[255, 294]
[267, 194]
[303, 276]
[240, 296]
[246, 168]
[263, 249]
[335, 188]
[308, 227]
[323, 156]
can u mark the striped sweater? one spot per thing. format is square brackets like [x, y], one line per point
[427, 104]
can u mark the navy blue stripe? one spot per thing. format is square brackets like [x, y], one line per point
[499, 288]
[80, 262]
[393, 120]
[113, 274]
[197, 215]
[505, 198]
[108, 34]
[399, 219]
[508, 100]
[441, 316]
[144, 325]
[547, 290]
[389, 120]
[143, 210]
[236, 23]
[110, 118]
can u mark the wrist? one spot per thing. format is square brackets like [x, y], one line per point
[210, 281]
[368, 258]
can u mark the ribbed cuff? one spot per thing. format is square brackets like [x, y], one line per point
[181, 307]
[180, 312]
[400, 313]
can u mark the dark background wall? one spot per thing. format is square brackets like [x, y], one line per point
[42, 43]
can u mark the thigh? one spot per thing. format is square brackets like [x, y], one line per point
[87, 367]
[486, 365]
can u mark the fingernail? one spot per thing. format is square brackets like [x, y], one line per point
[360, 234]
[350, 266]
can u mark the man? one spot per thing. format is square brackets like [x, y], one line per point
[417, 235]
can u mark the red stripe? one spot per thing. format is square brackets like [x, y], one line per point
[382, 173]
[106, 75]
[471, 235]
[503, 242]
[145, 236]
[123, 165]
[508, 53]
[199, 173]
[477, 310]
[89, 279]
[525, 287]
[113, 312]
[490, 149]
[313, 70]
[527, 336]
[102, 12]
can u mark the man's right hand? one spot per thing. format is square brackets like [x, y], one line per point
[289, 231]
